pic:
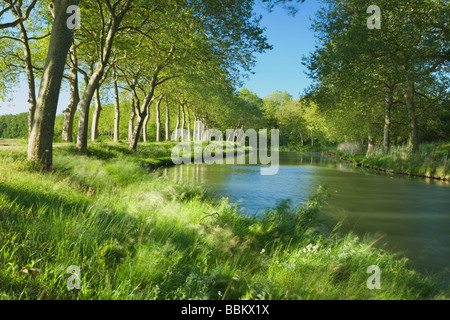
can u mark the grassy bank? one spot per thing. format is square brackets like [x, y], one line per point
[304, 148]
[10, 142]
[430, 161]
[138, 235]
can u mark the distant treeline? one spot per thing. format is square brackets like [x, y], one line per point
[14, 126]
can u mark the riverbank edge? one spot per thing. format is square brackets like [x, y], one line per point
[362, 161]
[362, 164]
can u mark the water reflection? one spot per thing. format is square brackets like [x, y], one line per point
[413, 214]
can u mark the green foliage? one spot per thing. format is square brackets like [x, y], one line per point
[361, 75]
[14, 126]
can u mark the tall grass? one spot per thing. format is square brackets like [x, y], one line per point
[350, 148]
[137, 235]
[431, 160]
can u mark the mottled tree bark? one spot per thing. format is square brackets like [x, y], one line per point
[96, 115]
[188, 125]
[28, 68]
[142, 111]
[116, 107]
[69, 112]
[158, 120]
[145, 125]
[177, 126]
[183, 122]
[167, 122]
[137, 128]
[40, 142]
[134, 102]
[194, 130]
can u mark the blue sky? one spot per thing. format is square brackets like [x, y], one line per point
[291, 39]
[277, 69]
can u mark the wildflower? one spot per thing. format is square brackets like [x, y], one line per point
[262, 251]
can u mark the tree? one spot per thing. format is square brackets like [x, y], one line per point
[367, 72]
[109, 26]
[192, 35]
[40, 142]
[27, 57]
[15, 5]
[69, 112]
[116, 105]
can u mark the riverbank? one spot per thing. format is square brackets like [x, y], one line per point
[430, 161]
[136, 235]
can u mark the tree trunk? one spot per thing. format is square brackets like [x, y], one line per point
[410, 105]
[183, 122]
[370, 140]
[194, 130]
[370, 143]
[137, 128]
[167, 122]
[143, 111]
[116, 107]
[312, 138]
[204, 131]
[196, 125]
[29, 71]
[96, 116]
[201, 127]
[158, 120]
[132, 117]
[40, 142]
[17, 13]
[83, 120]
[145, 125]
[189, 125]
[69, 112]
[94, 81]
[387, 119]
[178, 124]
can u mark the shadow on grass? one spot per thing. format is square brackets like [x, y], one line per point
[103, 153]
[56, 230]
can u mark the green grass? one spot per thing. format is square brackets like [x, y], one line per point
[304, 148]
[430, 161]
[137, 235]
[10, 142]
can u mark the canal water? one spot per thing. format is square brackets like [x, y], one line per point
[412, 214]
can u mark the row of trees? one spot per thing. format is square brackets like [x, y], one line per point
[13, 126]
[298, 120]
[387, 85]
[191, 53]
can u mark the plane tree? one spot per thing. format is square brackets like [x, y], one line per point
[368, 72]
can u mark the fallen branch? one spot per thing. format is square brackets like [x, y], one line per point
[208, 214]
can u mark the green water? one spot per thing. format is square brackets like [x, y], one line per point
[413, 215]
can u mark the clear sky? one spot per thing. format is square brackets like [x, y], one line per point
[291, 39]
[279, 68]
